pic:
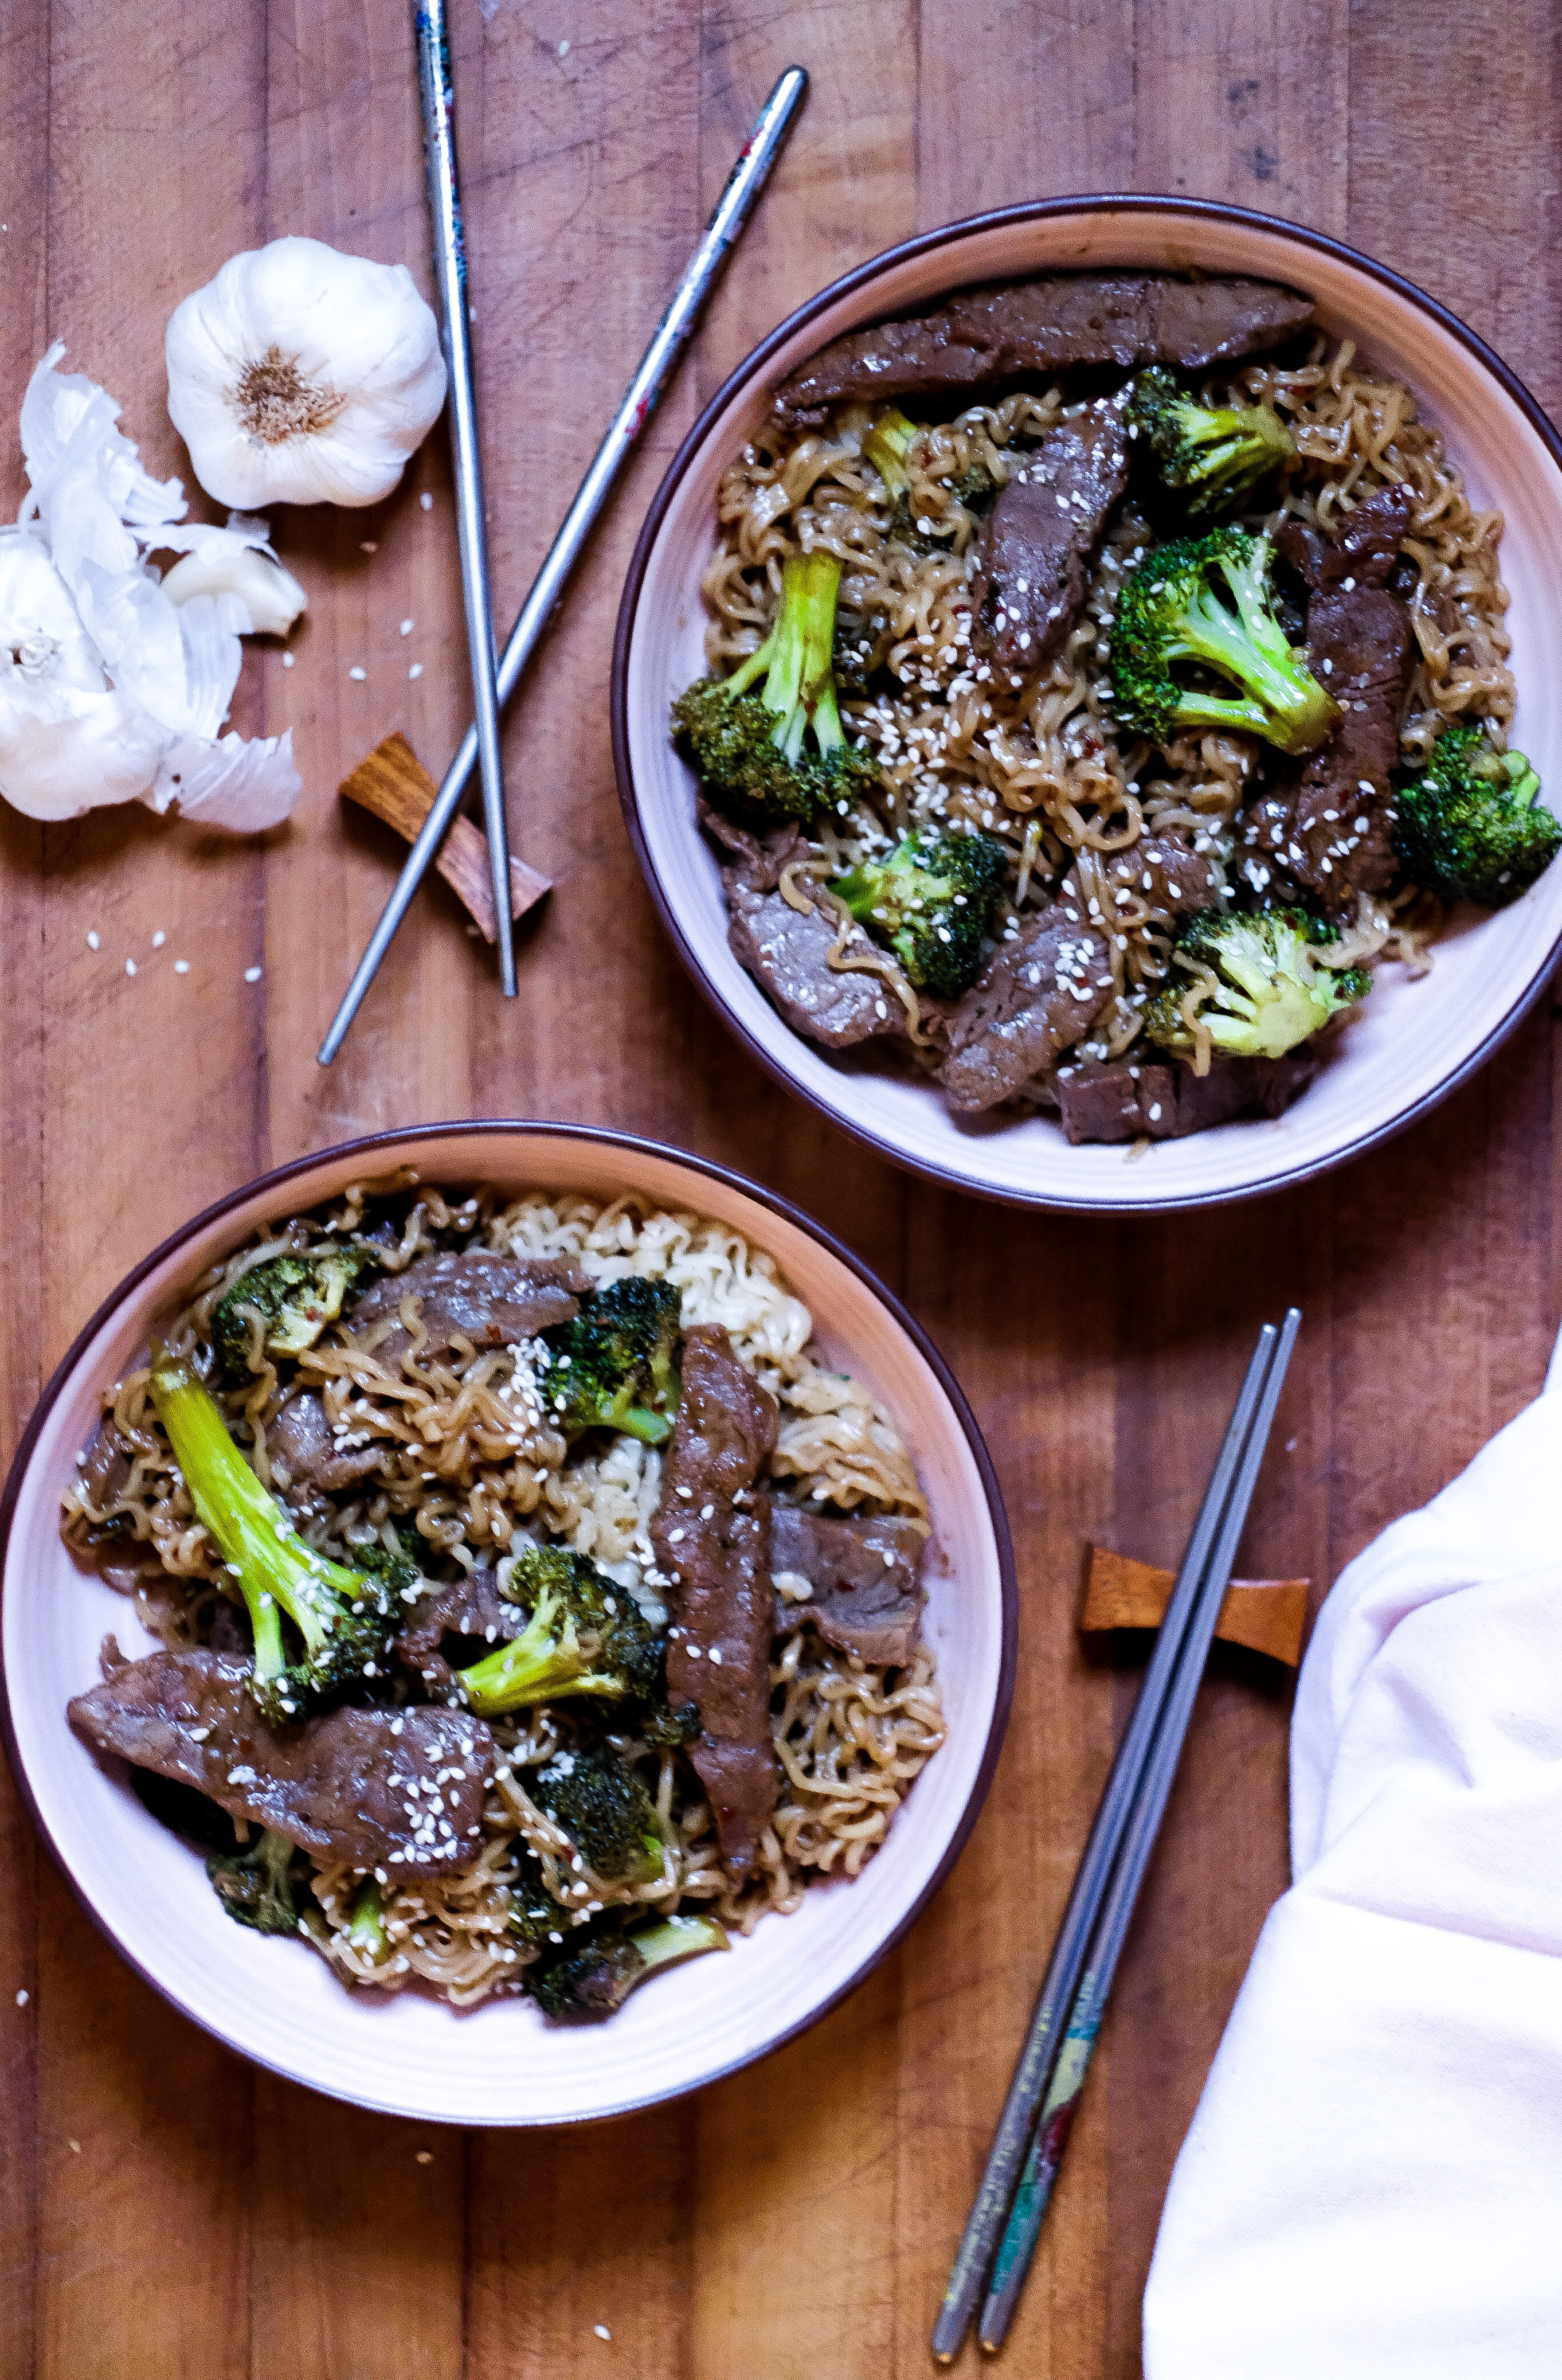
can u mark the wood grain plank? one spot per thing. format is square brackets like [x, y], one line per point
[799, 2219]
[24, 916]
[172, 112]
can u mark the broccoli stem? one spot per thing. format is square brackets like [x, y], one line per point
[367, 1931]
[544, 1663]
[276, 1570]
[885, 447]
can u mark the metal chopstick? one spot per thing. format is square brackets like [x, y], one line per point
[1024, 2229]
[437, 95]
[657, 366]
[1061, 1984]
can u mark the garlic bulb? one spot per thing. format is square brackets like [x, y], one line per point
[110, 691]
[265, 597]
[302, 376]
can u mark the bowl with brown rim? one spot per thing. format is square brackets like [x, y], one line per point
[277, 2001]
[1416, 1040]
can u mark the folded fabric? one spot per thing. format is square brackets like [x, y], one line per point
[1372, 2182]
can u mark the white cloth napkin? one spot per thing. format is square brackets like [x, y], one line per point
[1371, 2188]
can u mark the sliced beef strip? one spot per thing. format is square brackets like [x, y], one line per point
[472, 1608]
[1164, 1099]
[1035, 997]
[1331, 829]
[711, 1534]
[1364, 547]
[104, 1471]
[1163, 871]
[786, 955]
[982, 339]
[1030, 578]
[862, 1570]
[492, 1300]
[303, 1453]
[758, 861]
[342, 1787]
[1328, 824]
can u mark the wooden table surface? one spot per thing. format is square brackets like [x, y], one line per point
[168, 2212]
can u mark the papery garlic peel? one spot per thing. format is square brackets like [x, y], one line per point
[303, 376]
[110, 691]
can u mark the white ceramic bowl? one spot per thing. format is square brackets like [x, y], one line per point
[1415, 1041]
[277, 2001]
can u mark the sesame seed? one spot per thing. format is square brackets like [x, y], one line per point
[254, 975]
[288, 659]
[94, 940]
[417, 669]
[159, 939]
[426, 500]
[129, 966]
[407, 627]
[600, 2330]
[359, 672]
[181, 966]
[424, 2156]
[368, 545]
[22, 1999]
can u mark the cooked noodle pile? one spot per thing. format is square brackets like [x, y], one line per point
[1039, 762]
[469, 1457]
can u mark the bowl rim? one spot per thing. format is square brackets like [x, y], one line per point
[479, 1129]
[1129, 202]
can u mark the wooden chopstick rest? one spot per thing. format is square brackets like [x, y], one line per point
[392, 783]
[1266, 1615]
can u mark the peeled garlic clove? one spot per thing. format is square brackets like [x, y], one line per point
[271, 595]
[303, 376]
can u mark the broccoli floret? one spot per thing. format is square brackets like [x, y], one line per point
[615, 1366]
[536, 1918]
[295, 1297]
[345, 1617]
[605, 1811]
[255, 1885]
[1272, 992]
[1472, 826]
[595, 1970]
[931, 901]
[1215, 455]
[749, 747]
[586, 1635]
[1168, 612]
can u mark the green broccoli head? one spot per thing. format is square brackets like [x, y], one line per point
[931, 901]
[586, 1635]
[595, 1968]
[1169, 613]
[752, 748]
[1272, 993]
[294, 1298]
[344, 1618]
[534, 1917]
[1214, 455]
[1472, 826]
[615, 1366]
[606, 1813]
[255, 1885]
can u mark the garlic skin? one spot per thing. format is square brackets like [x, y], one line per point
[110, 691]
[266, 599]
[302, 376]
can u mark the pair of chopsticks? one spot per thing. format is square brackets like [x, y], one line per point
[657, 366]
[1005, 2223]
